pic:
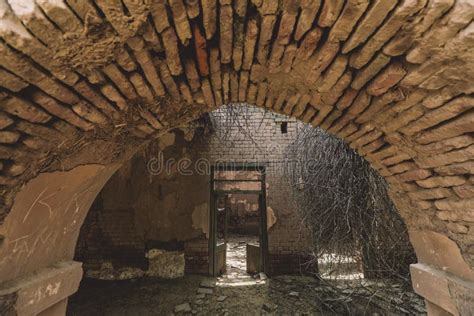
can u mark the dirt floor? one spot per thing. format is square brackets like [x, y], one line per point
[237, 293]
[235, 296]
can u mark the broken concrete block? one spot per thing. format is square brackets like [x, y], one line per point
[268, 307]
[165, 264]
[204, 291]
[208, 284]
[221, 298]
[185, 308]
[106, 271]
[128, 273]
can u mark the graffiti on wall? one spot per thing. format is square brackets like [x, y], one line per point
[46, 217]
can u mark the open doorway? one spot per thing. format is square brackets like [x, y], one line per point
[238, 235]
[243, 233]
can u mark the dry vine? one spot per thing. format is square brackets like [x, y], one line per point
[235, 115]
[343, 200]
[346, 206]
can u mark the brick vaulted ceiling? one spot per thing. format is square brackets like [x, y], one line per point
[392, 78]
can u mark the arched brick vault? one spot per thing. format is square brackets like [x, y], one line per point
[88, 83]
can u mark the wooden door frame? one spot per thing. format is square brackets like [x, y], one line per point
[262, 198]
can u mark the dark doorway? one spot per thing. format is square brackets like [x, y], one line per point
[229, 241]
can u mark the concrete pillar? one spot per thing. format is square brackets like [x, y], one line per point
[441, 275]
[43, 292]
[37, 273]
[58, 309]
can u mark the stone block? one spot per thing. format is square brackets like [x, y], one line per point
[43, 289]
[165, 264]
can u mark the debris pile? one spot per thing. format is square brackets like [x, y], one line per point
[243, 295]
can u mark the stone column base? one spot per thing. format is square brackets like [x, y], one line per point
[44, 292]
[445, 293]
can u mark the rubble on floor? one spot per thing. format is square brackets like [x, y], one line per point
[185, 307]
[161, 264]
[107, 271]
[165, 264]
[242, 295]
[238, 293]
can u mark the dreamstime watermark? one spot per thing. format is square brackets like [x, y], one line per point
[160, 165]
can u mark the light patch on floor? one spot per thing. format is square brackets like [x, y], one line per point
[236, 263]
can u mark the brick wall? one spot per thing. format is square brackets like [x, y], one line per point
[255, 135]
[160, 209]
[110, 235]
[251, 134]
[196, 255]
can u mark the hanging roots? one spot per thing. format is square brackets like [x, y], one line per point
[342, 200]
[345, 204]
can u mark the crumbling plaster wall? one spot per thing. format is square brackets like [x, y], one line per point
[137, 211]
[162, 204]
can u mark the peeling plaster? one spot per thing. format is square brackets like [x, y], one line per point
[167, 140]
[271, 218]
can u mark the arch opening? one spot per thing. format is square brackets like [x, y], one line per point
[161, 207]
